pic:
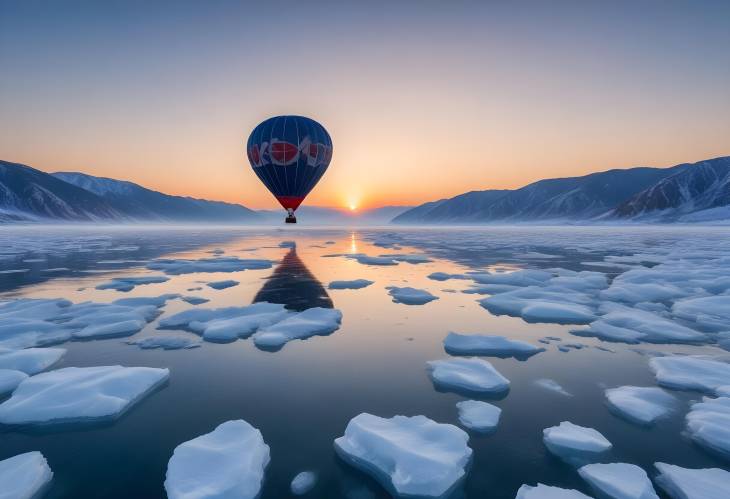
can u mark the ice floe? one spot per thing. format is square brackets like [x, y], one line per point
[618, 481]
[481, 344]
[629, 325]
[353, 284]
[640, 404]
[166, 342]
[690, 373]
[708, 423]
[553, 386]
[303, 482]
[372, 260]
[535, 304]
[25, 476]
[114, 329]
[228, 283]
[575, 444]
[478, 416]
[541, 491]
[219, 264]
[31, 360]
[711, 313]
[194, 300]
[410, 456]
[689, 483]
[226, 324]
[410, 296]
[444, 276]
[468, 375]
[129, 283]
[298, 326]
[228, 462]
[79, 394]
[10, 379]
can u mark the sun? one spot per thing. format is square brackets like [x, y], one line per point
[353, 207]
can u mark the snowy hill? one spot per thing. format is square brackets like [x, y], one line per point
[28, 194]
[700, 192]
[611, 195]
[141, 203]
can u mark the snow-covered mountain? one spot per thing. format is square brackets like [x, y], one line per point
[699, 192]
[611, 195]
[27, 194]
[145, 204]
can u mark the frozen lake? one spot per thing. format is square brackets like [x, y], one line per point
[598, 306]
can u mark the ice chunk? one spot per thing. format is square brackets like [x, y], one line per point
[630, 325]
[372, 260]
[288, 244]
[194, 300]
[553, 386]
[478, 416]
[708, 423]
[25, 476]
[520, 278]
[219, 264]
[618, 481]
[129, 283]
[541, 491]
[113, 329]
[17, 333]
[445, 276]
[536, 304]
[228, 283]
[226, 324]
[469, 375]
[642, 405]
[480, 344]
[166, 342]
[303, 482]
[146, 301]
[690, 373]
[353, 284]
[410, 296]
[31, 360]
[410, 456]
[79, 394]
[689, 483]
[228, 462]
[573, 443]
[710, 312]
[10, 379]
[408, 258]
[299, 326]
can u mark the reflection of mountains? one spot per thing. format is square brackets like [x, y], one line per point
[293, 285]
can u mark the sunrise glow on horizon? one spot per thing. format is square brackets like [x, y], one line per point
[420, 104]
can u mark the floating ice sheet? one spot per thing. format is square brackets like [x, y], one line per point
[298, 326]
[575, 444]
[410, 456]
[219, 264]
[125, 284]
[541, 491]
[79, 394]
[708, 423]
[228, 462]
[690, 373]
[480, 344]
[688, 483]
[638, 404]
[618, 481]
[31, 360]
[469, 375]
[410, 296]
[478, 416]
[353, 284]
[25, 476]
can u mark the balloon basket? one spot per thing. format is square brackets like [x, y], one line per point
[291, 219]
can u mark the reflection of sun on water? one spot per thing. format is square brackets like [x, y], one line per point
[353, 244]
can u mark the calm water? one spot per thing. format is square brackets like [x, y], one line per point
[302, 396]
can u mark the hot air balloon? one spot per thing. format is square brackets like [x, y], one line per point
[289, 155]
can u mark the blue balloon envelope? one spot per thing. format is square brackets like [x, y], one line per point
[289, 155]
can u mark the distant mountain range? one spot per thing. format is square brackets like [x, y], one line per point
[697, 192]
[684, 193]
[30, 195]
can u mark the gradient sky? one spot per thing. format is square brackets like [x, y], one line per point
[423, 99]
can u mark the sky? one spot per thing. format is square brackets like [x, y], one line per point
[423, 99]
